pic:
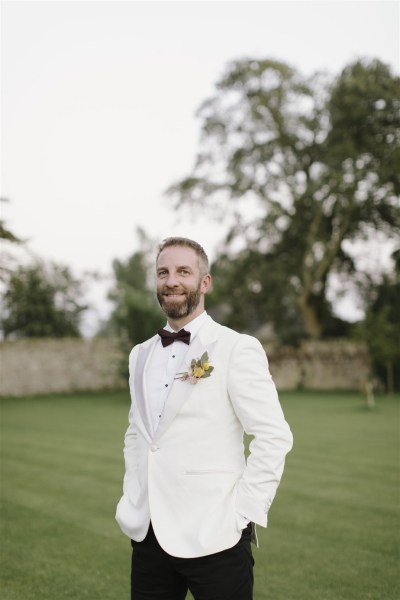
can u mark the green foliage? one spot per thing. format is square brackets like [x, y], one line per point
[60, 486]
[252, 289]
[317, 160]
[136, 315]
[5, 232]
[41, 301]
[7, 239]
[367, 131]
[381, 328]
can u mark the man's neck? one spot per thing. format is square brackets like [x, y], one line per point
[178, 324]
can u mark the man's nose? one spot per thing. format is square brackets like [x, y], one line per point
[172, 280]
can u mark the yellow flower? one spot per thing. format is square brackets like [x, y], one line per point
[200, 368]
[198, 372]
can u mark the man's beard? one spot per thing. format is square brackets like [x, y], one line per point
[182, 308]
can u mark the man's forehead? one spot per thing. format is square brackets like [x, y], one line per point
[178, 255]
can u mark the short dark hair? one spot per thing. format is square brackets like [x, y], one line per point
[186, 242]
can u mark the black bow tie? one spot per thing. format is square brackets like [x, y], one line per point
[167, 337]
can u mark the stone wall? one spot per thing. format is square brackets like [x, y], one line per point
[29, 367]
[44, 366]
[333, 365]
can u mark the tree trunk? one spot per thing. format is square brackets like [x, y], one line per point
[312, 324]
[390, 377]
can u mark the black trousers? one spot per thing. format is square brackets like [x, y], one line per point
[226, 575]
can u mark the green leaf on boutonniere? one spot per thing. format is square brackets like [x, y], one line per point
[200, 368]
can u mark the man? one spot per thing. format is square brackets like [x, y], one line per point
[190, 501]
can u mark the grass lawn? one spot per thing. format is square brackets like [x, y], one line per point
[333, 529]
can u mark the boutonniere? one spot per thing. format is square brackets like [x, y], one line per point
[200, 368]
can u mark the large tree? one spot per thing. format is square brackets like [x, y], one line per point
[316, 159]
[41, 300]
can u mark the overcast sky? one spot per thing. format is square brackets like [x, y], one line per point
[99, 100]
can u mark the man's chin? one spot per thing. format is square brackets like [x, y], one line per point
[175, 310]
[179, 309]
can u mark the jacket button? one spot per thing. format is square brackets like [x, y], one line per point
[153, 448]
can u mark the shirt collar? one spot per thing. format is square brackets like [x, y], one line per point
[192, 326]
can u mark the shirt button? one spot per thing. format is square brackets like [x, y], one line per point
[153, 448]
[166, 385]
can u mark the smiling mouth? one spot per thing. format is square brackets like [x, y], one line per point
[173, 295]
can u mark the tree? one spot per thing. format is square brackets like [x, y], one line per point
[381, 327]
[317, 159]
[41, 301]
[7, 237]
[136, 315]
[251, 291]
[5, 232]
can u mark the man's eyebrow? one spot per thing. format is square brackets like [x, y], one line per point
[161, 268]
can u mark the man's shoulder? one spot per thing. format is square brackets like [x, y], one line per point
[228, 333]
[233, 336]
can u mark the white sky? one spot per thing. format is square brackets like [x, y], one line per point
[99, 100]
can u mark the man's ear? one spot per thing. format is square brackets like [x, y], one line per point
[206, 283]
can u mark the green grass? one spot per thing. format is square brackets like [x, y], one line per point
[333, 529]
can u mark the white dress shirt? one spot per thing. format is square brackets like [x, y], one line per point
[165, 363]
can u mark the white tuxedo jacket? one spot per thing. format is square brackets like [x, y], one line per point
[191, 479]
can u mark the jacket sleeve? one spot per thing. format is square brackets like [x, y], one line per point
[130, 454]
[255, 401]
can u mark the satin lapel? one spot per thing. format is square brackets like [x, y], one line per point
[140, 389]
[182, 390]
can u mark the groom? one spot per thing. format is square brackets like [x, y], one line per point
[190, 500]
